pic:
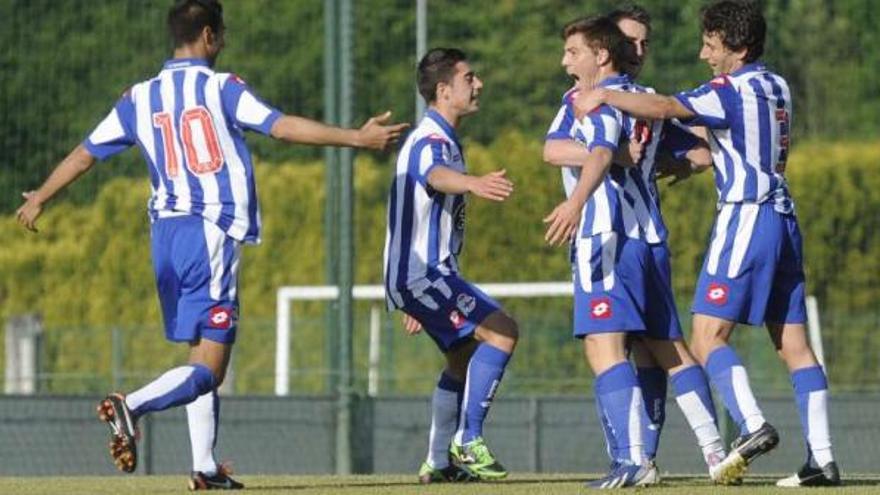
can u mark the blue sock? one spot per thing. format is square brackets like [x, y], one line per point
[483, 377]
[653, 384]
[695, 401]
[811, 396]
[176, 387]
[610, 443]
[621, 398]
[731, 381]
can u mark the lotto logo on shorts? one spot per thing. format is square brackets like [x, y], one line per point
[600, 309]
[717, 293]
[220, 317]
[466, 303]
[456, 319]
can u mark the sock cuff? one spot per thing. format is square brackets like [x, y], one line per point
[688, 379]
[722, 359]
[203, 378]
[491, 355]
[450, 384]
[809, 379]
[617, 377]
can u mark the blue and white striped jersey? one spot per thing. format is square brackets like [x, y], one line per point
[189, 123]
[748, 113]
[425, 227]
[627, 202]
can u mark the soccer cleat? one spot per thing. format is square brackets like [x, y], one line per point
[623, 475]
[476, 458]
[756, 444]
[652, 474]
[827, 475]
[449, 474]
[123, 448]
[726, 470]
[220, 481]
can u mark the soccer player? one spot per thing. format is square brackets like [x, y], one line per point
[189, 123]
[664, 336]
[753, 270]
[426, 214]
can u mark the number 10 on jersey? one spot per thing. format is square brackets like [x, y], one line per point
[199, 138]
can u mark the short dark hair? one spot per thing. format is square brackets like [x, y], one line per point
[187, 19]
[600, 32]
[633, 12]
[739, 24]
[437, 66]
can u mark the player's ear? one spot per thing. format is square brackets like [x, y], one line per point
[603, 56]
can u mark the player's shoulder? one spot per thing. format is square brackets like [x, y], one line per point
[429, 132]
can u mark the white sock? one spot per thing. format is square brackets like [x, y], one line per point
[202, 416]
[745, 400]
[702, 423]
[818, 434]
[444, 420]
[160, 387]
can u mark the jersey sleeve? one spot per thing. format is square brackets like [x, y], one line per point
[430, 152]
[677, 140]
[712, 103]
[115, 133]
[602, 127]
[562, 125]
[246, 109]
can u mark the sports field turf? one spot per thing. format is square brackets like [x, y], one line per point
[524, 484]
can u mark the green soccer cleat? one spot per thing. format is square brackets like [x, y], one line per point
[476, 458]
[449, 474]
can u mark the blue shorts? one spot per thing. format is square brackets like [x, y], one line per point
[753, 272]
[196, 267]
[623, 285]
[448, 307]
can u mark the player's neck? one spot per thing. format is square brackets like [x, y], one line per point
[191, 51]
[603, 75]
[448, 114]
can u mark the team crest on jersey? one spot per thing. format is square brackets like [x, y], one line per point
[220, 317]
[465, 303]
[717, 293]
[600, 309]
[456, 319]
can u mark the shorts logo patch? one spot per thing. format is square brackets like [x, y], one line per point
[717, 293]
[456, 319]
[220, 317]
[600, 309]
[465, 303]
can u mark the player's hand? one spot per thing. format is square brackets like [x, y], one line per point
[562, 223]
[411, 325]
[28, 213]
[375, 134]
[631, 155]
[494, 186]
[588, 100]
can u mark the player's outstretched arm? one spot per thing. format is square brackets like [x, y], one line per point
[78, 162]
[374, 134]
[639, 105]
[493, 186]
[564, 152]
[563, 221]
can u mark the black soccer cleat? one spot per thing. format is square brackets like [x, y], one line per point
[827, 475]
[123, 447]
[220, 481]
[756, 444]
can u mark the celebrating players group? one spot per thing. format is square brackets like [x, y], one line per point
[611, 138]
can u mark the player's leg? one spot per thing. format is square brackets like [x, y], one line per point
[497, 335]
[445, 410]
[786, 317]
[652, 380]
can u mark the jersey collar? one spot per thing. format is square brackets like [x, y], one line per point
[448, 129]
[180, 63]
[617, 80]
[750, 67]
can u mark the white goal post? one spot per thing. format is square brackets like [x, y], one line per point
[287, 295]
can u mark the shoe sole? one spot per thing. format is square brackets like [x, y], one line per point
[122, 444]
[731, 470]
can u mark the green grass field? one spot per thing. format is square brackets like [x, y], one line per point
[524, 484]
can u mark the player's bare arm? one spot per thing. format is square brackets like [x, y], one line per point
[570, 153]
[78, 162]
[564, 219]
[639, 105]
[494, 186]
[375, 134]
